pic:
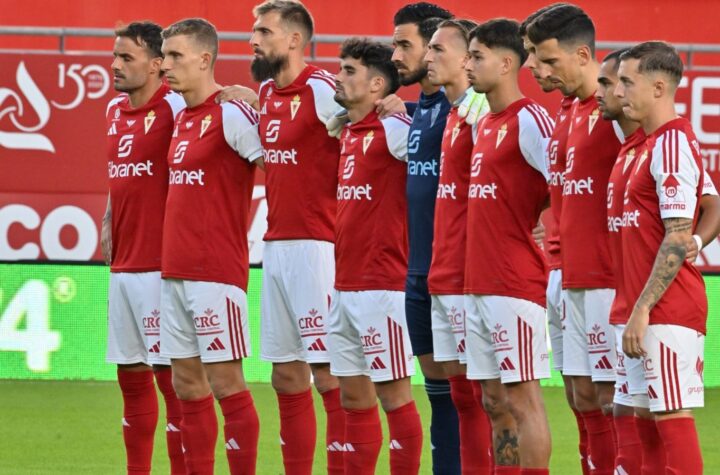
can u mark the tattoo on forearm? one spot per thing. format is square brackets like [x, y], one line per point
[507, 450]
[670, 258]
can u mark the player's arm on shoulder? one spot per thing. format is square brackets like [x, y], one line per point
[237, 92]
[240, 126]
[389, 105]
[397, 127]
[535, 128]
[106, 233]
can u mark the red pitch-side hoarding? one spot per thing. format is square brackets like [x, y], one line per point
[53, 167]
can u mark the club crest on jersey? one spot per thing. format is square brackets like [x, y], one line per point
[455, 132]
[294, 106]
[502, 132]
[592, 120]
[149, 121]
[205, 124]
[367, 140]
[629, 157]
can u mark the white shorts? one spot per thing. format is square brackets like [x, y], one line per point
[368, 335]
[674, 367]
[556, 317]
[589, 338]
[506, 339]
[134, 319]
[630, 381]
[205, 319]
[448, 327]
[298, 279]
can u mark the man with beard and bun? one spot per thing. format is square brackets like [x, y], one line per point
[414, 26]
[296, 101]
[556, 170]
[140, 122]
[505, 272]
[446, 57]
[204, 327]
[564, 40]
[665, 293]
[369, 345]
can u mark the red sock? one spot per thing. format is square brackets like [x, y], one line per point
[653, 451]
[682, 447]
[600, 441]
[298, 432]
[611, 423]
[507, 470]
[242, 430]
[534, 471]
[405, 439]
[335, 434]
[363, 438]
[629, 447]
[174, 417]
[140, 415]
[583, 442]
[475, 428]
[199, 429]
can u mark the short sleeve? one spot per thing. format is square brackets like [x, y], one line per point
[240, 126]
[708, 185]
[176, 103]
[676, 175]
[397, 127]
[535, 129]
[322, 84]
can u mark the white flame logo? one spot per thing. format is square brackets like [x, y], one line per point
[180, 151]
[125, 146]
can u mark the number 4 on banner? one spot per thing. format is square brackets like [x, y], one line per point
[36, 339]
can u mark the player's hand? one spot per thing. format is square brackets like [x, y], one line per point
[336, 123]
[238, 93]
[473, 106]
[390, 105]
[632, 339]
[692, 250]
[538, 234]
[106, 241]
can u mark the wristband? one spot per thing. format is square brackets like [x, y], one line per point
[698, 241]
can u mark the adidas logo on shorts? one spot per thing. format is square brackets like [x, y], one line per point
[507, 365]
[651, 392]
[377, 364]
[604, 363]
[317, 345]
[155, 348]
[461, 346]
[216, 345]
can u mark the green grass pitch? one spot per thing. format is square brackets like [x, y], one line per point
[74, 427]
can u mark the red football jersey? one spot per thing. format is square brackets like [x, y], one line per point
[301, 160]
[508, 189]
[556, 169]
[211, 183]
[667, 182]
[633, 146]
[371, 231]
[137, 148]
[593, 145]
[447, 268]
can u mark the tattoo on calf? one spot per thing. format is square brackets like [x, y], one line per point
[507, 450]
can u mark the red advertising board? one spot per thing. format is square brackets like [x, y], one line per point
[53, 175]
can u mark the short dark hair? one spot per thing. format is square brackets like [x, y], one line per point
[144, 33]
[291, 12]
[427, 17]
[200, 29]
[615, 56]
[656, 56]
[524, 25]
[501, 33]
[566, 23]
[462, 26]
[373, 55]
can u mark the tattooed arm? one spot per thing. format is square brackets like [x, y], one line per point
[670, 257]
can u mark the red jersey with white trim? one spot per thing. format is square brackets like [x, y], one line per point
[556, 169]
[447, 268]
[633, 146]
[667, 182]
[211, 184]
[371, 242]
[301, 160]
[593, 145]
[508, 188]
[137, 147]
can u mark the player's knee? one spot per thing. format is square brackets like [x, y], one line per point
[495, 403]
[290, 378]
[188, 388]
[585, 395]
[323, 380]
[356, 400]
[394, 394]
[430, 368]
[525, 401]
